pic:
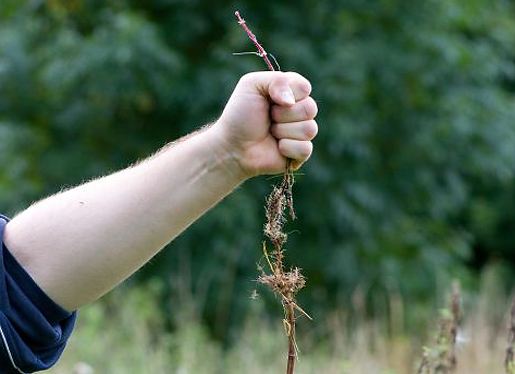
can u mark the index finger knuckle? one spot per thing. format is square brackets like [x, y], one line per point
[310, 108]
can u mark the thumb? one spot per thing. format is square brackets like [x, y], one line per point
[280, 91]
[282, 88]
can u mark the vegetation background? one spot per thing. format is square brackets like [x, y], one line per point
[412, 183]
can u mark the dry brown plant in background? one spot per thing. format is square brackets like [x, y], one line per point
[282, 282]
[441, 359]
[509, 362]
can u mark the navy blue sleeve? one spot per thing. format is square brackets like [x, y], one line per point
[33, 328]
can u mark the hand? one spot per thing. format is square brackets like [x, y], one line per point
[269, 118]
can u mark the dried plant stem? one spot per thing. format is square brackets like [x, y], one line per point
[261, 50]
[284, 283]
[292, 351]
[441, 359]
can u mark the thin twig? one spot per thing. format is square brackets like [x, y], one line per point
[252, 37]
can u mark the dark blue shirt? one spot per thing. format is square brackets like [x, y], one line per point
[33, 328]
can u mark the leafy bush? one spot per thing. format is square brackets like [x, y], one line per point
[412, 176]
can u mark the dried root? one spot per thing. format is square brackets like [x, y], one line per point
[286, 284]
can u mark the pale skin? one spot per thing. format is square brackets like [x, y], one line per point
[80, 243]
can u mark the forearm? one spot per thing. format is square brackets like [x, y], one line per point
[79, 244]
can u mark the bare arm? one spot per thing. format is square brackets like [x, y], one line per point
[80, 243]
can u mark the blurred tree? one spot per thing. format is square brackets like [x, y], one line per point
[412, 177]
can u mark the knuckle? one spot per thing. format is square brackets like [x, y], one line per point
[303, 84]
[306, 150]
[280, 80]
[311, 129]
[306, 87]
[310, 108]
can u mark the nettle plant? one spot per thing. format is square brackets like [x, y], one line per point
[284, 283]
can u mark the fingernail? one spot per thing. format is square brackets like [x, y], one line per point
[287, 97]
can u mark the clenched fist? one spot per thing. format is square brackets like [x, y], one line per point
[268, 119]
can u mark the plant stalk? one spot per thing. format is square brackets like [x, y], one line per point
[292, 349]
[284, 283]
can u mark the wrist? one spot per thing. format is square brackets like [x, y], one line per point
[225, 157]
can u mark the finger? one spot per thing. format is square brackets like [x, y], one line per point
[300, 86]
[297, 150]
[288, 88]
[304, 130]
[302, 111]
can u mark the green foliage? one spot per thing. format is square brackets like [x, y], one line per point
[412, 176]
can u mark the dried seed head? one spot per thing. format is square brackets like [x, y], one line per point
[286, 284]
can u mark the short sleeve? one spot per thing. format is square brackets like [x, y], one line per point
[33, 328]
